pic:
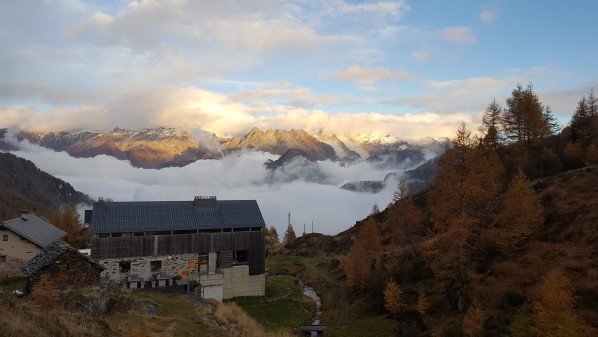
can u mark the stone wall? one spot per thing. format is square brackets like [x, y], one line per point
[235, 280]
[173, 265]
[70, 268]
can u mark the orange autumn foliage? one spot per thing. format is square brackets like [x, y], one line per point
[364, 256]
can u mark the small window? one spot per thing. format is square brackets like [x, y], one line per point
[124, 266]
[4, 237]
[240, 257]
[156, 266]
[2, 258]
[104, 235]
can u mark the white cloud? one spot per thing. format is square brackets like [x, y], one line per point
[459, 34]
[240, 176]
[363, 75]
[488, 16]
[420, 55]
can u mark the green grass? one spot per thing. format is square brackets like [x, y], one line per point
[337, 309]
[284, 305]
[175, 316]
[367, 327]
[13, 283]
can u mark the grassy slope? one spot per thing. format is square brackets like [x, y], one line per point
[284, 305]
[176, 316]
[338, 313]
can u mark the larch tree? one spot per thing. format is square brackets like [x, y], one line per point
[553, 311]
[289, 235]
[407, 219]
[375, 210]
[473, 322]
[67, 219]
[583, 122]
[491, 123]
[521, 215]
[525, 118]
[272, 240]
[393, 298]
[364, 257]
[464, 190]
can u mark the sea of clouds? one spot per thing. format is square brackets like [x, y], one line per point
[241, 175]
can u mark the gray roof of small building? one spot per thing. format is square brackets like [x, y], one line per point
[35, 229]
[138, 216]
[49, 255]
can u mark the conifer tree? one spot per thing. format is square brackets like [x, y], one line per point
[364, 256]
[473, 323]
[422, 301]
[583, 122]
[464, 191]
[272, 240]
[393, 298]
[491, 125]
[401, 191]
[521, 215]
[525, 118]
[67, 219]
[554, 315]
[289, 235]
[375, 210]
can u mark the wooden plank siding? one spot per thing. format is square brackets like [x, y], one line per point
[201, 243]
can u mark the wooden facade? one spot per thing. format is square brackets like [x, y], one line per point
[176, 244]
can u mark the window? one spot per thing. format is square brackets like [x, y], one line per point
[124, 266]
[2, 258]
[156, 266]
[4, 237]
[240, 257]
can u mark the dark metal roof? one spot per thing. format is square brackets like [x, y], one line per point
[35, 229]
[49, 255]
[138, 216]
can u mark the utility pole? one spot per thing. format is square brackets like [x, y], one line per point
[304, 228]
[312, 227]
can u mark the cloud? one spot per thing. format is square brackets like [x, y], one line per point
[238, 176]
[363, 75]
[488, 16]
[420, 55]
[394, 9]
[460, 34]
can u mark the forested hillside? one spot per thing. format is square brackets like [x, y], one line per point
[503, 244]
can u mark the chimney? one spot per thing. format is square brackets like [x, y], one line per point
[203, 202]
[24, 214]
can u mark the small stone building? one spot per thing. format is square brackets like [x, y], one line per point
[218, 243]
[23, 238]
[65, 265]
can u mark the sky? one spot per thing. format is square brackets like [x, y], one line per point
[411, 69]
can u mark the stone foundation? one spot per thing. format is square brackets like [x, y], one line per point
[235, 281]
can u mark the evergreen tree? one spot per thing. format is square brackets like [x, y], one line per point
[289, 235]
[491, 125]
[521, 215]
